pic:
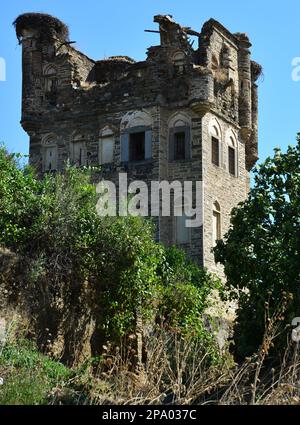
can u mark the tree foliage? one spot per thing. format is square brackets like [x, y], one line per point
[78, 264]
[261, 251]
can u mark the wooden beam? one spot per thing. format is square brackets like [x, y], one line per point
[157, 32]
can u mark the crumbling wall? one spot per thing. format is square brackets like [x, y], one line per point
[214, 80]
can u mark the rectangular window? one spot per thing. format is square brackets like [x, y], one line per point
[79, 154]
[106, 150]
[215, 151]
[231, 160]
[182, 232]
[53, 84]
[179, 145]
[137, 146]
[50, 158]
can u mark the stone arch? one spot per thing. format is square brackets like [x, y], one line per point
[179, 60]
[215, 129]
[136, 119]
[216, 206]
[49, 69]
[179, 56]
[136, 136]
[179, 119]
[49, 152]
[49, 139]
[77, 136]
[231, 138]
[78, 149]
[216, 149]
[106, 145]
[50, 76]
[106, 131]
[179, 126]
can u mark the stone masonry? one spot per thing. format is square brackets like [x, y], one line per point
[185, 113]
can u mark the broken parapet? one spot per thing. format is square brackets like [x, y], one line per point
[216, 76]
[171, 33]
[110, 69]
[252, 145]
[50, 64]
[245, 116]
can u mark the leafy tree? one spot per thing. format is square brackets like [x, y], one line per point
[261, 251]
[19, 208]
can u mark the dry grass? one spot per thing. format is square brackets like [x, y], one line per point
[175, 370]
[178, 371]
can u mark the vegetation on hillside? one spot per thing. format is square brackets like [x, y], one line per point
[78, 268]
[175, 371]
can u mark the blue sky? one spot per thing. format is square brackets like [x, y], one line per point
[116, 27]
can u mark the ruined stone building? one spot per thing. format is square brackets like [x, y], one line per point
[185, 113]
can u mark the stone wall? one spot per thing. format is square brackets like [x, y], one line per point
[220, 186]
[215, 81]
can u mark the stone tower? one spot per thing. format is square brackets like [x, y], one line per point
[184, 114]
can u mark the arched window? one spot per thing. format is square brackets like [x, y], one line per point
[78, 151]
[106, 146]
[50, 75]
[215, 145]
[179, 62]
[179, 138]
[50, 153]
[136, 137]
[232, 163]
[216, 231]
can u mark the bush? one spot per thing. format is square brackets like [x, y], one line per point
[79, 267]
[185, 295]
[28, 377]
[19, 207]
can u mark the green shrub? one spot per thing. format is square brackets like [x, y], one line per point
[80, 265]
[19, 207]
[28, 376]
